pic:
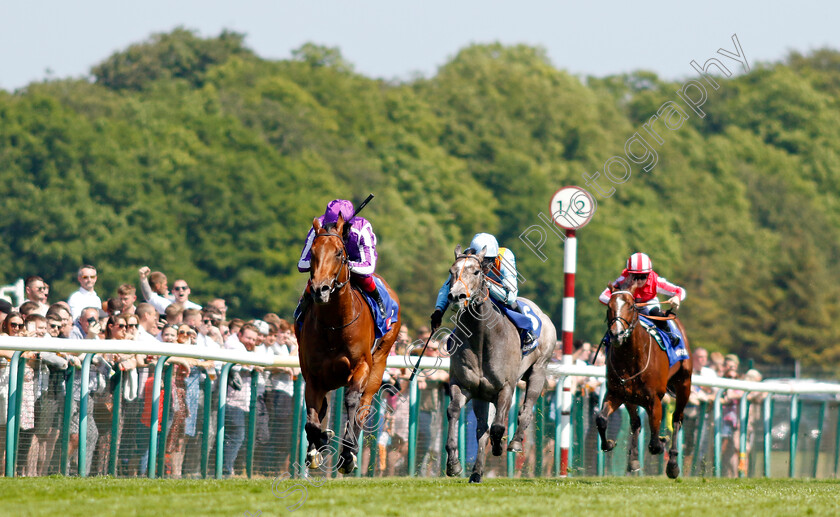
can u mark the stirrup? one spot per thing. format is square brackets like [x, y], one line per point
[529, 343]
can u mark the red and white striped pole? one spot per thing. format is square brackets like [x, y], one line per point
[569, 263]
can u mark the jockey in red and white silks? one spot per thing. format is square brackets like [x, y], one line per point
[642, 281]
[360, 243]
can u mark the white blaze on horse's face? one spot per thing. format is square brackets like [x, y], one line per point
[464, 280]
[620, 317]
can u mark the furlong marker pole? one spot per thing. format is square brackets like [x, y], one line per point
[569, 261]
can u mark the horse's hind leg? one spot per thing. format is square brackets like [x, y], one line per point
[633, 464]
[682, 387]
[534, 386]
[497, 431]
[481, 410]
[611, 403]
[352, 398]
[459, 400]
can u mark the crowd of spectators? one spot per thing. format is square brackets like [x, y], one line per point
[161, 317]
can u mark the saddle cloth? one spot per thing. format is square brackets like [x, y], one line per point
[675, 355]
[383, 325]
[527, 320]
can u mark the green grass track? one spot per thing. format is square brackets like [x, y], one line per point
[604, 497]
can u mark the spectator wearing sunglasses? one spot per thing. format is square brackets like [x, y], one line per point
[37, 291]
[181, 293]
[86, 295]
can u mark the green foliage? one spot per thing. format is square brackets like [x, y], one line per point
[198, 158]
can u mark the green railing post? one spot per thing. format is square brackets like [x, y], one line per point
[115, 422]
[837, 444]
[205, 425]
[296, 431]
[413, 408]
[558, 408]
[539, 429]
[220, 418]
[302, 441]
[83, 413]
[699, 434]
[12, 419]
[20, 373]
[717, 413]
[338, 406]
[462, 440]
[578, 434]
[444, 434]
[163, 437]
[252, 424]
[642, 442]
[823, 407]
[69, 378]
[601, 456]
[744, 408]
[155, 418]
[511, 429]
[767, 417]
[794, 432]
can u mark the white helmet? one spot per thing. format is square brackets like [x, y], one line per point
[482, 240]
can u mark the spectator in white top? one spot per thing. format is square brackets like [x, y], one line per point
[85, 297]
[181, 293]
[37, 291]
[154, 287]
[238, 395]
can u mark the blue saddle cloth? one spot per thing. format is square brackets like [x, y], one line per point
[383, 324]
[528, 321]
[675, 354]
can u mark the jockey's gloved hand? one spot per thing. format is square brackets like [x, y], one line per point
[436, 320]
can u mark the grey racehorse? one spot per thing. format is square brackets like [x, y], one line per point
[487, 363]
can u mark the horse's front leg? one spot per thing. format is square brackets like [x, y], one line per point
[352, 399]
[611, 403]
[497, 430]
[656, 444]
[633, 464]
[453, 413]
[316, 403]
[481, 409]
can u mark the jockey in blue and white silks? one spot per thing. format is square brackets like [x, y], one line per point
[500, 267]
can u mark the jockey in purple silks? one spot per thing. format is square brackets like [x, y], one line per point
[360, 242]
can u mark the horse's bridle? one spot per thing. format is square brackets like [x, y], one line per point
[335, 285]
[629, 327]
[466, 287]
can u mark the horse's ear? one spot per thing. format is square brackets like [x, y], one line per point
[339, 224]
[457, 251]
[481, 254]
[316, 224]
[611, 287]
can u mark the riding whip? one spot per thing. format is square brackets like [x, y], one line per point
[422, 352]
[364, 204]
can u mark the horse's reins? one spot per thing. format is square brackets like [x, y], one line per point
[336, 285]
[629, 331]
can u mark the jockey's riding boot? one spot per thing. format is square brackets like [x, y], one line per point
[674, 331]
[666, 326]
[378, 299]
[529, 343]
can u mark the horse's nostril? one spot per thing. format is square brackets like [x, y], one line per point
[325, 289]
[462, 296]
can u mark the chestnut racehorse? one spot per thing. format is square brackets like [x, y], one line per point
[337, 348]
[638, 374]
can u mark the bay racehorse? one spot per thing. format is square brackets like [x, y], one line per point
[487, 363]
[638, 374]
[337, 348]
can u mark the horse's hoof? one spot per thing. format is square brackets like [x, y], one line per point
[348, 465]
[608, 445]
[634, 466]
[673, 469]
[515, 446]
[313, 459]
[475, 477]
[453, 468]
[656, 448]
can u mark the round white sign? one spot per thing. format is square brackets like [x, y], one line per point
[572, 207]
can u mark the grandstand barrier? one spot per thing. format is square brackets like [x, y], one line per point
[802, 437]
